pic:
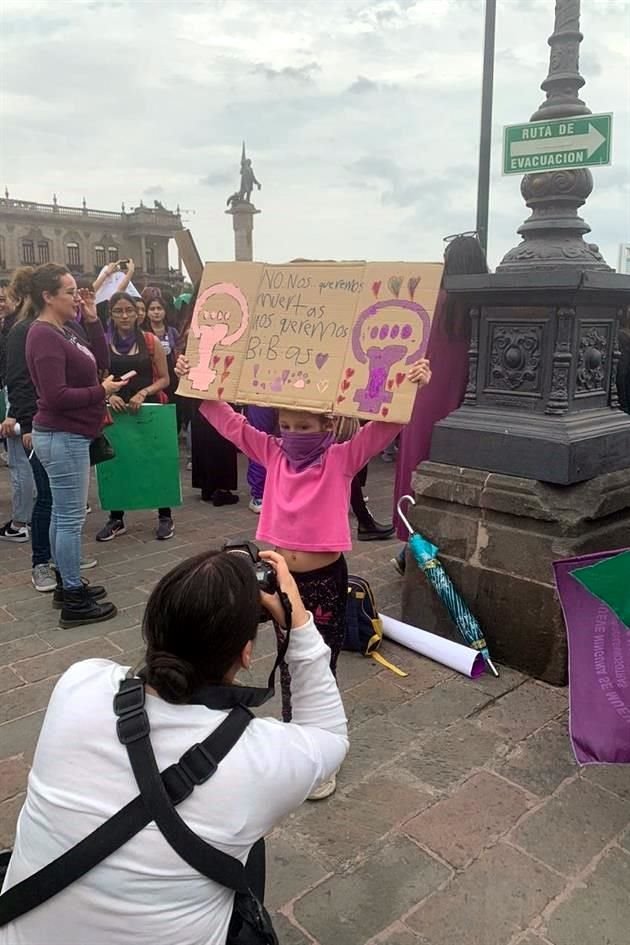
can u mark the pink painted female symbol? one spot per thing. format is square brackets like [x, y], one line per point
[203, 375]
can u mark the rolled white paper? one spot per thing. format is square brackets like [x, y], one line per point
[456, 656]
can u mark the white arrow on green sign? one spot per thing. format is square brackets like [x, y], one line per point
[584, 141]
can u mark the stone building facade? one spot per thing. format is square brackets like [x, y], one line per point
[85, 240]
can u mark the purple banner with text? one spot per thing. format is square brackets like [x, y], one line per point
[599, 669]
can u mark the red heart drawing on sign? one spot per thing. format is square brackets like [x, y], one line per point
[340, 399]
[345, 385]
[225, 376]
[229, 361]
[376, 288]
[215, 360]
[384, 411]
[390, 385]
[400, 378]
[349, 371]
[220, 392]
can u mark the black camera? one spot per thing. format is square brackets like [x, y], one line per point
[265, 574]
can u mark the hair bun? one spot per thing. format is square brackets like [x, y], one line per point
[21, 283]
[170, 676]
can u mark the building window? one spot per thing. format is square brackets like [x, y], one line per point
[150, 260]
[112, 252]
[3, 258]
[43, 252]
[99, 257]
[74, 255]
[28, 252]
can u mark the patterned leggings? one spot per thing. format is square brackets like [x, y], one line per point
[324, 592]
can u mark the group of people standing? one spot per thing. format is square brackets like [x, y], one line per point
[65, 363]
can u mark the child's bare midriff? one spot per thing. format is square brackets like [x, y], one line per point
[301, 561]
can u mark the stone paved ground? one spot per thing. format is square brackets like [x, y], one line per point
[461, 818]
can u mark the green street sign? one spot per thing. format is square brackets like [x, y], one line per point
[564, 142]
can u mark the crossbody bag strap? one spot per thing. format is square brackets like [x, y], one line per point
[194, 767]
[133, 731]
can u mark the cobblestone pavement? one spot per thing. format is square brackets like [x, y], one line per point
[461, 817]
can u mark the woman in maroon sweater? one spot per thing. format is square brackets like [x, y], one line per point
[70, 413]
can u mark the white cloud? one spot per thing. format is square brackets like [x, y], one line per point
[361, 116]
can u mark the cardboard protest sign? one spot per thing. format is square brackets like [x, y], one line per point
[326, 337]
[189, 254]
[219, 330]
[144, 474]
[390, 332]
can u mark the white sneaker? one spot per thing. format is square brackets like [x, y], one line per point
[19, 534]
[87, 563]
[255, 505]
[43, 578]
[324, 790]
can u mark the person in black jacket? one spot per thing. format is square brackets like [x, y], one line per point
[23, 400]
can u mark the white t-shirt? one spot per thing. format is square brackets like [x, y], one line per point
[144, 893]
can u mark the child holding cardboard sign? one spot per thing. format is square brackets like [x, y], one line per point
[305, 512]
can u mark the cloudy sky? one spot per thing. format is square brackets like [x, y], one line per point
[361, 116]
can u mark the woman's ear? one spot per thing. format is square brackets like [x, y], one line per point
[247, 654]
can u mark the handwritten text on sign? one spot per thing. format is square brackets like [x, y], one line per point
[326, 337]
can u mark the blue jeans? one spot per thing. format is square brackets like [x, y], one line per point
[22, 485]
[40, 519]
[66, 459]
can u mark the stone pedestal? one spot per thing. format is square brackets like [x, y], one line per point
[243, 221]
[498, 536]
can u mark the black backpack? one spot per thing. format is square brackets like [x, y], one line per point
[364, 627]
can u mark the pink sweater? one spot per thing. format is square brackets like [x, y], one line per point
[307, 510]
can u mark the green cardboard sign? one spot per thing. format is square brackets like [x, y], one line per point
[145, 471]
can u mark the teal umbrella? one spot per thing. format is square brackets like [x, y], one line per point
[426, 557]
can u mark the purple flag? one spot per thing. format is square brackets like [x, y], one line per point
[599, 669]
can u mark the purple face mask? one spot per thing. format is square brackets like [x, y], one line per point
[304, 449]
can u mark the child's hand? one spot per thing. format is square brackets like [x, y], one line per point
[420, 373]
[182, 366]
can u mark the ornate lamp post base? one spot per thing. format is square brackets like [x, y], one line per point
[498, 536]
[541, 403]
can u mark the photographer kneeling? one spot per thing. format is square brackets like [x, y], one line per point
[200, 625]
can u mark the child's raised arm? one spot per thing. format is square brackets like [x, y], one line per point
[234, 427]
[376, 435]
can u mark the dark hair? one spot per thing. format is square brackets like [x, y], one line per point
[463, 256]
[198, 619]
[122, 296]
[185, 318]
[111, 330]
[31, 283]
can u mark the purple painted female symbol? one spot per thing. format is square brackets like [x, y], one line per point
[380, 360]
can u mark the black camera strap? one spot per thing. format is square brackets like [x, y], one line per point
[133, 732]
[194, 767]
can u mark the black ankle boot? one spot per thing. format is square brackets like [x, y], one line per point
[371, 530]
[95, 592]
[79, 608]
